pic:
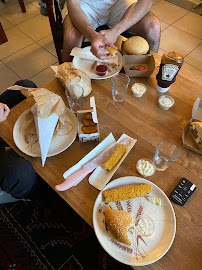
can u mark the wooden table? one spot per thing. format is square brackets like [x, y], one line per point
[140, 118]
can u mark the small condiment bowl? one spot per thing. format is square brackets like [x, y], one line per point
[141, 172]
[163, 106]
[135, 92]
[101, 70]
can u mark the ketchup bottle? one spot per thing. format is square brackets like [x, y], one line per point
[171, 63]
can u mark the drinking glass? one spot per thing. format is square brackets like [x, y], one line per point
[119, 86]
[166, 153]
[74, 94]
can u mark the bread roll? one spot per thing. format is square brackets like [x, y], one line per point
[136, 45]
[118, 223]
[128, 193]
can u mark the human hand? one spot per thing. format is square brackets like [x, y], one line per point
[98, 43]
[109, 34]
[4, 111]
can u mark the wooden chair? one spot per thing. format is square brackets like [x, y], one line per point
[22, 5]
[55, 20]
[3, 37]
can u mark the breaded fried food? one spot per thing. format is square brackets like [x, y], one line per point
[112, 51]
[89, 129]
[115, 157]
[87, 122]
[119, 222]
[128, 193]
[88, 116]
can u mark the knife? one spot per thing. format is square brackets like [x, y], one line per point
[85, 169]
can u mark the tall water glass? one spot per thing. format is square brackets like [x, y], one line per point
[119, 86]
[166, 153]
[74, 94]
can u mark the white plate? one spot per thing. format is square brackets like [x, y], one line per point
[145, 250]
[58, 144]
[86, 65]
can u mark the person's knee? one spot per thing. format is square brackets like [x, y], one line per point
[26, 83]
[153, 27]
[20, 177]
[71, 37]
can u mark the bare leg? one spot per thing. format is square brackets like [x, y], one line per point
[72, 38]
[149, 28]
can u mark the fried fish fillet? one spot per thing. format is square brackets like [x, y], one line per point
[115, 157]
[112, 51]
[128, 193]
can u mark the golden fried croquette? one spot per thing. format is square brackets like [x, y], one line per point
[115, 157]
[87, 122]
[128, 193]
[89, 129]
[87, 116]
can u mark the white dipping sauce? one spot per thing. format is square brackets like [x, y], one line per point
[145, 167]
[138, 89]
[166, 102]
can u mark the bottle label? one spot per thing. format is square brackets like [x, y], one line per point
[168, 72]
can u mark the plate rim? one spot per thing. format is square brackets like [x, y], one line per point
[172, 209]
[101, 77]
[36, 155]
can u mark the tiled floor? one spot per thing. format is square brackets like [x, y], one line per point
[30, 52]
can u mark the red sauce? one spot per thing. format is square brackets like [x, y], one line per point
[101, 70]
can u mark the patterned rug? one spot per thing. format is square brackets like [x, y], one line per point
[48, 234]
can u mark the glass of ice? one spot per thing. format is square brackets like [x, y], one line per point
[166, 154]
[119, 86]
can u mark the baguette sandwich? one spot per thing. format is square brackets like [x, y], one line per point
[119, 222]
[196, 132]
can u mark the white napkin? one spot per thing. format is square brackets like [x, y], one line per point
[87, 54]
[45, 128]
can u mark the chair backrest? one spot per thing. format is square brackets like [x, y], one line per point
[55, 19]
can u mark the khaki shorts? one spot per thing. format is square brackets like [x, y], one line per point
[103, 12]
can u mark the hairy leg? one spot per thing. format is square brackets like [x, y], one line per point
[149, 28]
[72, 38]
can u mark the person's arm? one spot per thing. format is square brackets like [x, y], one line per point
[4, 111]
[81, 22]
[136, 12]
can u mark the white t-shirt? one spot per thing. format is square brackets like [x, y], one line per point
[101, 12]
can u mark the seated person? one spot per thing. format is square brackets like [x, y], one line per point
[17, 175]
[84, 16]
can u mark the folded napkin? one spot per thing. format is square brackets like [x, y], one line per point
[87, 54]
